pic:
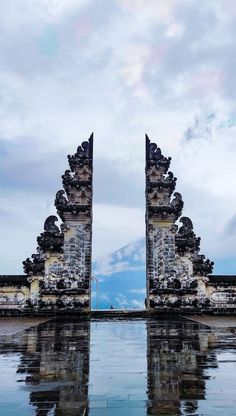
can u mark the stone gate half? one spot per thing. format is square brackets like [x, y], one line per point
[178, 276]
[60, 272]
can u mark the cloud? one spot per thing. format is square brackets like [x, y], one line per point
[28, 167]
[114, 226]
[43, 10]
[135, 60]
[137, 304]
[104, 296]
[230, 227]
[138, 291]
[122, 301]
[118, 190]
[121, 69]
[202, 126]
[162, 11]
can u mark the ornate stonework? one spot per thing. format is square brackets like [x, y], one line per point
[175, 269]
[62, 265]
[58, 276]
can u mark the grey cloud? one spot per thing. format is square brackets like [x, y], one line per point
[206, 43]
[201, 127]
[7, 216]
[29, 167]
[26, 165]
[53, 98]
[116, 184]
[42, 46]
[230, 227]
[101, 50]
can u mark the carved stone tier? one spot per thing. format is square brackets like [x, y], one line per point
[77, 182]
[171, 210]
[78, 204]
[83, 155]
[69, 181]
[155, 158]
[166, 185]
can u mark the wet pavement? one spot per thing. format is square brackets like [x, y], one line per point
[215, 321]
[120, 367]
[11, 325]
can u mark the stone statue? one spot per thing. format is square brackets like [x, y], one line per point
[83, 150]
[187, 227]
[50, 226]
[67, 179]
[170, 178]
[186, 239]
[155, 152]
[60, 200]
[177, 203]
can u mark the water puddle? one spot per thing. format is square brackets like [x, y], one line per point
[124, 367]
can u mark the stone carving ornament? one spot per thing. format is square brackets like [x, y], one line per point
[83, 154]
[35, 267]
[154, 155]
[186, 240]
[50, 225]
[201, 266]
[177, 203]
[51, 239]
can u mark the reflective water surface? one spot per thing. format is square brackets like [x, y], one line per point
[126, 367]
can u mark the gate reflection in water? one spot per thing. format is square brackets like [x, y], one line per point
[126, 367]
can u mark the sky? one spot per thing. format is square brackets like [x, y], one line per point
[119, 68]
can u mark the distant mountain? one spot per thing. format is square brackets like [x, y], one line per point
[121, 278]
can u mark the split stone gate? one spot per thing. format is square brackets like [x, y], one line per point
[57, 277]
